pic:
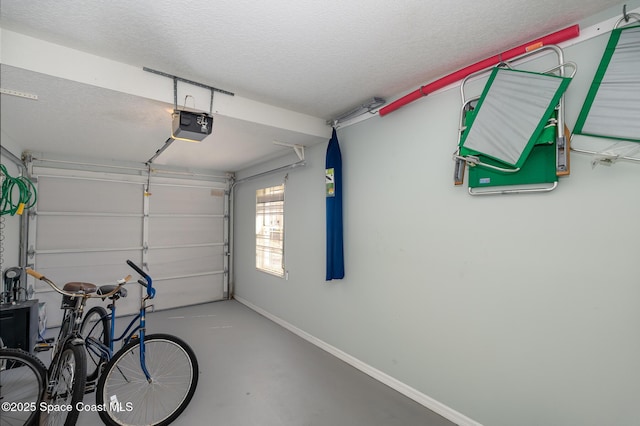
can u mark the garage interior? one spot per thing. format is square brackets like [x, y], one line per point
[514, 308]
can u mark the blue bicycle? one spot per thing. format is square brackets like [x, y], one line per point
[151, 379]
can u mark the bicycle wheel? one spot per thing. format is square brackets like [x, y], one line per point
[68, 378]
[23, 379]
[95, 326]
[132, 400]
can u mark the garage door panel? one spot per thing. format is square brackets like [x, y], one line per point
[187, 200]
[188, 291]
[168, 231]
[71, 232]
[94, 267]
[88, 195]
[186, 261]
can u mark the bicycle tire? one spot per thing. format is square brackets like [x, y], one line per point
[23, 380]
[68, 376]
[96, 325]
[129, 399]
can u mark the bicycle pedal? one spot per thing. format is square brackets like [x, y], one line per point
[42, 347]
[89, 387]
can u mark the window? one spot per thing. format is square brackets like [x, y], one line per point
[270, 230]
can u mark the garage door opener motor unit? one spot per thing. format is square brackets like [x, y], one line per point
[191, 126]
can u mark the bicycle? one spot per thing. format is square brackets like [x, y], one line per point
[22, 383]
[64, 388]
[151, 379]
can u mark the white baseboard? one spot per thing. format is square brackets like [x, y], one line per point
[430, 403]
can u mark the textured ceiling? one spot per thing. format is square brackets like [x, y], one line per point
[79, 120]
[319, 58]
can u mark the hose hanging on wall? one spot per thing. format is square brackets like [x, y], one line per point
[18, 193]
[26, 194]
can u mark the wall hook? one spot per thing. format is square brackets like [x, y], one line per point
[624, 13]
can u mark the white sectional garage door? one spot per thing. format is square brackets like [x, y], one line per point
[87, 224]
[186, 245]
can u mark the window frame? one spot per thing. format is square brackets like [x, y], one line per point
[270, 206]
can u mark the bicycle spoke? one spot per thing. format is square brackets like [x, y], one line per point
[173, 371]
[68, 381]
[22, 383]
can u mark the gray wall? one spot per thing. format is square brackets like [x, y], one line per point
[519, 309]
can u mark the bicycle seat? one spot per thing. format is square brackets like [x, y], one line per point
[106, 289]
[75, 287]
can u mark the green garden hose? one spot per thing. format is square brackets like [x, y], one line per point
[18, 193]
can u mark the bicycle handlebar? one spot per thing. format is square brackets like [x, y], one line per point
[37, 275]
[137, 269]
[147, 282]
[34, 274]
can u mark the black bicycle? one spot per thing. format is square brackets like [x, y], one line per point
[64, 387]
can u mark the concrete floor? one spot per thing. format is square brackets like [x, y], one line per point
[254, 372]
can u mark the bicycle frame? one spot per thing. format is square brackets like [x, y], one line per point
[105, 352]
[69, 332]
[73, 303]
[158, 382]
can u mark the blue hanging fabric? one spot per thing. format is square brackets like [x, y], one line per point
[333, 180]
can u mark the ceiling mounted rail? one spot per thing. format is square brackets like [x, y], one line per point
[184, 80]
[160, 151]
[176, 114]
[554, 38]
[369, 106]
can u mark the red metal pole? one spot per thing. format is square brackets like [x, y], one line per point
[554, 38]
